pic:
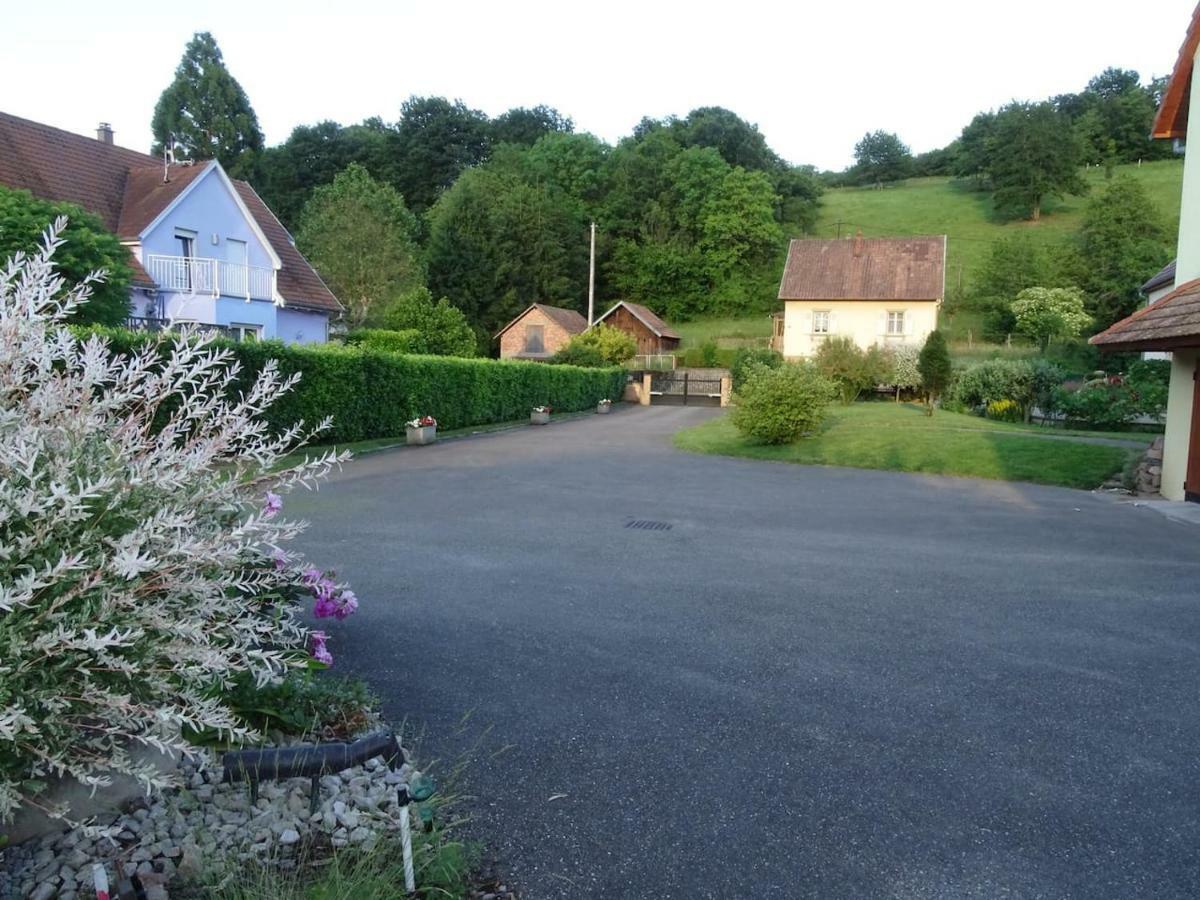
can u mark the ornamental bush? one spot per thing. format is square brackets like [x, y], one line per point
[143, 566]
[408, 340]
[611, 345]
[1004, 411]
[750, 358]
[781, 405]
[851, 369]
[372, 394]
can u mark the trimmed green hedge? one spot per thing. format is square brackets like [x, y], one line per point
[372, 393]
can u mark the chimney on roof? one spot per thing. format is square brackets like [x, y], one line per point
[104, 133]
[858, 243]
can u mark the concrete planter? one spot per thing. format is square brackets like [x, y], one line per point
[603, 409]
[539, 418]
[425, 434]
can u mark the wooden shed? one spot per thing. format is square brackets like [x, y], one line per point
[652, 334]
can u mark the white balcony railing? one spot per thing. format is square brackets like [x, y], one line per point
[196, 275]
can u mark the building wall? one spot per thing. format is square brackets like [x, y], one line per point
[301, 326]
[554, 336]
[863, 320]
[1187, 267]
[1179, 423]
[231, 311]
[1153, 297]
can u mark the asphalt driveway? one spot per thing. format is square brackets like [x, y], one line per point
[817, 682]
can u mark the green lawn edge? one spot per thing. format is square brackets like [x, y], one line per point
[899, 438]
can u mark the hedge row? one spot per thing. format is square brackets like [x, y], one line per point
[372, 393]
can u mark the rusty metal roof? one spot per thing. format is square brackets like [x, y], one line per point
[859, 268]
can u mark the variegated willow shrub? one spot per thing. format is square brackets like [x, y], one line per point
[142, 547]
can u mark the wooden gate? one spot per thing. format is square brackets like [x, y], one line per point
[685, 389]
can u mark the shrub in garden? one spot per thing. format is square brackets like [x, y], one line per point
[372, 394]
[407, 341]
[934, 364]
[748, 359]
[1005, 411]
[851, 369]
[905, 374]
[143, 566]
[611, 346]
[990, 380]
[780, 405]
[1099, 405]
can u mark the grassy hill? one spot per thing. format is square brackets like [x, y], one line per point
[945, 206]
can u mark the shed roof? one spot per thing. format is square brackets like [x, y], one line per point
[1161, 278]
[859, 268]
[567, 319]
[645, 316]
[126, 190]
[1174, 321]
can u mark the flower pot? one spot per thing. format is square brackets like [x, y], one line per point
[539, 418]
[425, 434]
[603, 409]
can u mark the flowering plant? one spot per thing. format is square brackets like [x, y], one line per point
[543, 409]
[141, 535]
[422, 422]
[606, 402]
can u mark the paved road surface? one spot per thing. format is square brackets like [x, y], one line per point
[818, 682]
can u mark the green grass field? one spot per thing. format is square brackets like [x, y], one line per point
[901, 438]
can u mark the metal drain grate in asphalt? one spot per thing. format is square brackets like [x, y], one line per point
[648, 525]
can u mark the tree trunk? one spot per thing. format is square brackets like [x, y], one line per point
[1036, 214]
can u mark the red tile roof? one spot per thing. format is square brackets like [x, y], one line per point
[126, 190]
[1172, 322]
[861, 268]
[648, 318]
[569, 320]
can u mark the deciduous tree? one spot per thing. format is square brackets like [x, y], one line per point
[881, 156]
[1033, 154]
[1047, 313]
[360, 236]
[89, 247]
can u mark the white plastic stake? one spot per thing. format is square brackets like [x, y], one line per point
[100, 881]
[410, 883]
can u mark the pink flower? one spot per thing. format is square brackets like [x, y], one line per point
[324, 607]
[310, 576]
[273, 505]
[347, 604]
[280, 560]
[319, 651]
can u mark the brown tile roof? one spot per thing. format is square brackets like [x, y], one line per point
[298, 282]
[1172, 118]
[648, 318]
[126, 190]
[859, 268]
[1174, 321]
[567, 319]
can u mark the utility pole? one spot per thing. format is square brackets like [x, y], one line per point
[592, 279]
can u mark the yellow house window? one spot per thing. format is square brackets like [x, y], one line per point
[895, 323]
[820, 321]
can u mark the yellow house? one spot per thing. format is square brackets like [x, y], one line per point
[884, 291]
[1173, 322]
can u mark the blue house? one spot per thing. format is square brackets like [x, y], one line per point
[204, 247]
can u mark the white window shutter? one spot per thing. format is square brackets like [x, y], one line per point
[882, 324]
[806, 324]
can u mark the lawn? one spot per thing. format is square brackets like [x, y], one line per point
[901, 438]
[728, 332]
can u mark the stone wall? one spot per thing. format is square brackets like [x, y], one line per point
[1148, 475]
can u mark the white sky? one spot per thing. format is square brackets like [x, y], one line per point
[813, 76]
